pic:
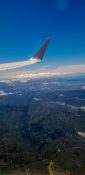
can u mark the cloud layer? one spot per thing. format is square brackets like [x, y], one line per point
[65, 70]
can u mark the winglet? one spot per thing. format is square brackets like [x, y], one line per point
[40, 53]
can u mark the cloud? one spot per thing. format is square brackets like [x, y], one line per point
[9, 82]
[72, 69]
[36, 99]
[83, 87]
[62, 4]
[64, 70]
[2, 93]
[25, 76]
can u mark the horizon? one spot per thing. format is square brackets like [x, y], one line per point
[68, 70]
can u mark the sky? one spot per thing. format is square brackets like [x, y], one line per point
[24, 25]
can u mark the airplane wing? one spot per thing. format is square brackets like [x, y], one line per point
[35, 59]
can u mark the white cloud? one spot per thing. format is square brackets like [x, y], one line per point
[72, 69]
[36, 99]
[65, 70]
[83, 87]
[2, 93]
[6, 81]
[25, 76]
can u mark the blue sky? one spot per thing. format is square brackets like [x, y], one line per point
[24, 25]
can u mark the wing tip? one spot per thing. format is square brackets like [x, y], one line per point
[40, 53]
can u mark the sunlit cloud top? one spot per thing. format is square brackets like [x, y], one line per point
[43, 73]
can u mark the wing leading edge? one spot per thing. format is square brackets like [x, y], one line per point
[35, 59]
